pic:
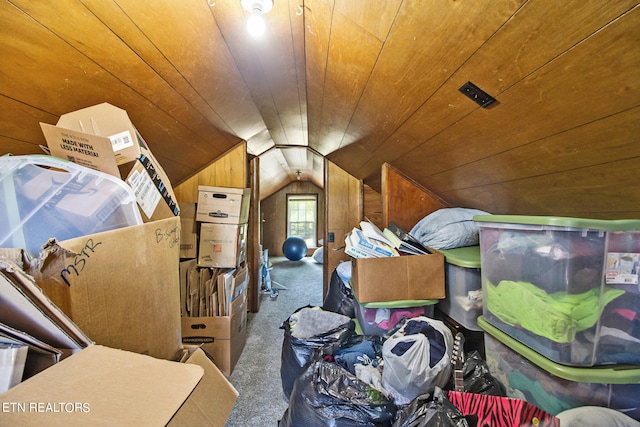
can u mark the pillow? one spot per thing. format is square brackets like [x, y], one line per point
[318, 255]
[448, 228]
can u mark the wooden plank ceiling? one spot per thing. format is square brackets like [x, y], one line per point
[360, 82]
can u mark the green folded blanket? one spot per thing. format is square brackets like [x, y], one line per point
[557, 316]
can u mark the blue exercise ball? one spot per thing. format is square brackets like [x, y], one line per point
[294, 248]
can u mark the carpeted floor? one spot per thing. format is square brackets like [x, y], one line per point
[257, 375]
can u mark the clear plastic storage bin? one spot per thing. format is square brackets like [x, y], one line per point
[463, 284]
[554, 387]
[565, 287]
[378, 318]
[43, 197]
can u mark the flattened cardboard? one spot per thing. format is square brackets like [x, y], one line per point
[121, 287]
[40, 355]
[212, 400]
[102, 386]
[25, 308]
[223, 205]
[187, 267]
[87, 150]
[408, 277]
[188, 231]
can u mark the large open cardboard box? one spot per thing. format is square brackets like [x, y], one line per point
[102, 386]
[121, 287]
[408, 277]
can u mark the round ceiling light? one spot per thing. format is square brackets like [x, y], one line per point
[257, 6]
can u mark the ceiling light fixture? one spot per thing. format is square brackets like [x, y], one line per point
[256, 8]
[298, 174]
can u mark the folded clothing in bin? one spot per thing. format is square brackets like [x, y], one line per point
[381, 318]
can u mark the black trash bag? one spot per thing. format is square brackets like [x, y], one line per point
[326, 395]
[424, 411]
[339, 298]
[477, 377]
[298, 352]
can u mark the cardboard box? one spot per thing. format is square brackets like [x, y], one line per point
[105, 386]
[223, 205]
[121, 287]
[222, 245]
[87, 150]
[136, 164]
[223, 337]
[408, 277]
[108, 121]
[211, 401]
[188, 231]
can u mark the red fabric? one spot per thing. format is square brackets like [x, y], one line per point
[497, 411]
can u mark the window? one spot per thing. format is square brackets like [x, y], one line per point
[302, 216]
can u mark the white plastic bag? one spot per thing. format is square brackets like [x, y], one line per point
[415, 364]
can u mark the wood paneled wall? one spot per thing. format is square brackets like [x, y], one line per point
[230, 170]
[274, 215]
[404, 201]
[372, 206]
[344, 211]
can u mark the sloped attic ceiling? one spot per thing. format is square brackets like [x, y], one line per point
[360, 82]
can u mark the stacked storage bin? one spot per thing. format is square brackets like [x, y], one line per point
[380, 318]
[463, 285]
[567, 289]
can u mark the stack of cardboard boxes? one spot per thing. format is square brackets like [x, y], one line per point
[214, 277]
[121, 288]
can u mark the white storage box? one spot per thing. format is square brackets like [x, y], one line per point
[223, 205]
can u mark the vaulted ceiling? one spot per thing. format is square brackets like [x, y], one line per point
[360, 82]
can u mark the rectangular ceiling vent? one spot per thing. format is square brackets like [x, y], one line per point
[477, 95]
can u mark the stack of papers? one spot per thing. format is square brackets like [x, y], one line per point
[370, 242]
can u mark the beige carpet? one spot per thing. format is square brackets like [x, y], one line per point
[257, 375]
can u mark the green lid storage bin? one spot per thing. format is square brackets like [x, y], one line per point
[554, 387]
[565, 287]
[463, 285]
[378, 318]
